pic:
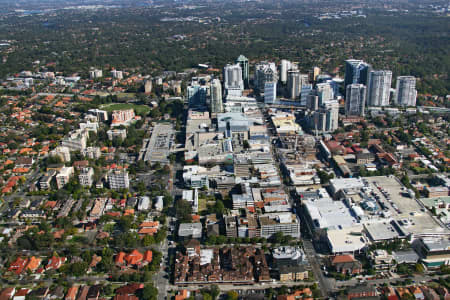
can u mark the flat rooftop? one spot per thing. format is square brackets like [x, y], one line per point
[411, 216]
[379, 231]
[327, 213]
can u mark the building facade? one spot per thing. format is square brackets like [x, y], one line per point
[355, 100]
[356, 71]
[270, 92]
[216, 97]
[378, 88]
[243, 62]
[405, 92]
[233, 82]
[118, 180]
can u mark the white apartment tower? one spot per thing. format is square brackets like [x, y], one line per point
[405, 92]
[284, 68]
[355, 99]
[233, 82]
[216, 96]
[378, 88]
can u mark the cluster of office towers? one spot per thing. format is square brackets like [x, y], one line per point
[367, 87]
[319, 93]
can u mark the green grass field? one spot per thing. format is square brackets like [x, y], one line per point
[117, 106]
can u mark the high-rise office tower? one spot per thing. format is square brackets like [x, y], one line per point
[332, 109]
[378, 88]
[356, 71]
[325, 92]
[284, 68]
[355, 100]
[232, 77]
[312, 102]
[304, 93]
[405, 92]
[304, 80]
[196, 95]
[265, 72]
[293, 84]
[315, 73]
[270, 92]
[243, 62]
[216, 96]
[326, 119]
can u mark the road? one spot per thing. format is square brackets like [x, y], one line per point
[249, 287]
[390, 281]
[161, 278]
[325, 285]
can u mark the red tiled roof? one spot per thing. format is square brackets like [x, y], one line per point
[125, 297]
[129, 289]
[148, 256]
[55, 262]
[120, 258]
[342, 259]
[149, 231]
[149, 224]
[134, 257]
[18, 265]
[72, 293]
[33, 263]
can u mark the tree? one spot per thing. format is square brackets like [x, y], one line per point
[419, 268]
[232, 295]
[219, 207]
[206, 295]
[149, 292]
[215, 291]
[183, 211]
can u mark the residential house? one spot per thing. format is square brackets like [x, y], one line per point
[94, 292]
[417, 292]
[182, 295]
[148, 228]
[72, 293]
[125, 297]
[429, 293]
[361, 291]
[24, 162]
[55, 263]
[403, 292]
[18, 265]
[7, 293]
[129, 289]
[82, 294]
[443, 293]
[33, 264]
[21, 294]
[40, 293]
